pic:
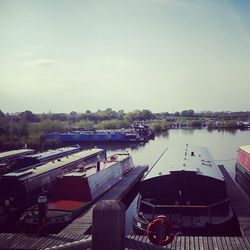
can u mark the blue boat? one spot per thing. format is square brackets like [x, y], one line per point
[123, 135]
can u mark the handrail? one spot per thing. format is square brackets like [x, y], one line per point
[184, 206]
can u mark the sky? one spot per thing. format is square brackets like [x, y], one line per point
[161, 55]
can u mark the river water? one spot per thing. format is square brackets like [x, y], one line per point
[222, 145]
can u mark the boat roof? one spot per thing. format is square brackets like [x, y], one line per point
[186, 158]
[53, 152]
[245, 148]
[29, 173]
[91, 169]
[14, 153]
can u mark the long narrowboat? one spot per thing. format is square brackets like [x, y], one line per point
[122, 135]
[242, 168]
[40, 158]
[188, 188]
[20, 189]
[76, 190]
[9, 158]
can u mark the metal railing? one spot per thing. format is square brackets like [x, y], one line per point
[181, 207]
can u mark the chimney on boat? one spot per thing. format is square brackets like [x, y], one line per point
[98, 166]
[42, 210]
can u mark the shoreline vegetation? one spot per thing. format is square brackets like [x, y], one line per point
[27, 128]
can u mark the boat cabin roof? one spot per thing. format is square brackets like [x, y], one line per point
[15, 153]
[53, 152]
[186, 158]
[92, 168]
[52, 165]
[245, 148]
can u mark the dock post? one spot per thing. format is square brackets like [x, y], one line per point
[108, 226]
[42, 210]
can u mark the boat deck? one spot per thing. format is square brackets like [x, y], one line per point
[83, 223]
[92, 168]
[23, 241]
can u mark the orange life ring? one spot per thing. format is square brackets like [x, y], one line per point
[160, 231]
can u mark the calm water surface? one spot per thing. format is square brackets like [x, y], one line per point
[221, 144]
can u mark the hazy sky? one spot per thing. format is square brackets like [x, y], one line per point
[161, 55]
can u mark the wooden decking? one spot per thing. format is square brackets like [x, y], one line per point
[84, 222]
[22, 241]
[77, 230]
[239, 201]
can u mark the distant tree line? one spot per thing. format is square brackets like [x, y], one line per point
[27, 127]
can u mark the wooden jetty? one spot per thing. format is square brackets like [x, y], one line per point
[239, 202]
[108, 234]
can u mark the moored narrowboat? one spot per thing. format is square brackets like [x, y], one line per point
[76, 190]
[43, 157]
[188, 188]
[9, 158]
[20, 189]
[112, 135]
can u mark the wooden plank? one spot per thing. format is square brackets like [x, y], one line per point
[201, 243]
[215, 246]
[219, 242]
[227, 239]
[224, 244]
[172, 245]
[242, 243]
[210, 242]
[186, 246]
[16, 240]
[178, 242]
[196, 242]
[182, 242]
[232, 243]
[52, 240]
[247, 242]
[191, 243]
[205, 243]
[38, 243]
[237, 242]
[26, 241]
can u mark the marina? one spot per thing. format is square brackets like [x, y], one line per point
[81, 231]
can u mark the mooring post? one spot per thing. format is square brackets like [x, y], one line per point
[108, 226]
[42, 210]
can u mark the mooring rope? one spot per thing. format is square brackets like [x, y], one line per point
[155, 163]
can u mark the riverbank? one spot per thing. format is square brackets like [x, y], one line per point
[26, 128]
